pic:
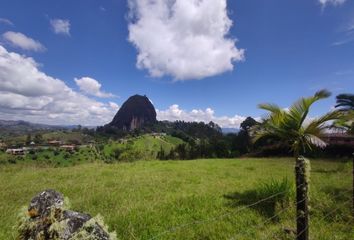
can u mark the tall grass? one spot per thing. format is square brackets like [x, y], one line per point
[282, 190]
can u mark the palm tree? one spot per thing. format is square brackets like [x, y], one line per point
[302, 133]
[294, 126]
[345, 103]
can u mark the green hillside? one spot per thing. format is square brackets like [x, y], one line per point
[52, 157]
[141, 147]
[66, 136]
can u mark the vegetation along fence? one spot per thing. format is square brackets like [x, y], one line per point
[302, 216]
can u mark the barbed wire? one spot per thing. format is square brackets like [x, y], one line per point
[261, 225]
[341, 194]
[327, 215]
[173, 229]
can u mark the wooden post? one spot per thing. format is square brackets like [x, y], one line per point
[353, 184]
[302, 172]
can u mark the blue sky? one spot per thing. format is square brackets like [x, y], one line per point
[79, 58]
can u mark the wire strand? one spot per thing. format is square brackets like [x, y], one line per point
[269, 219]
[341, 194]
[173, 229]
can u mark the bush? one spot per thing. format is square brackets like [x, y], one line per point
[116, 153]
[282, 190]
[130, 155]
[12, 160]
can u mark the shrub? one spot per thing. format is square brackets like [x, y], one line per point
[12, 160]
[116, 153]
[282, 190]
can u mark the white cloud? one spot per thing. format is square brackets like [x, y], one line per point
[91, 86]
[20, 40]
[28, 93]
[114, 105]
[348, 39]
[174, 113]
[347, 34]
[60, 26]
[6, 21]
[331, 2]
[183, 39]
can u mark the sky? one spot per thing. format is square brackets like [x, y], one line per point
[76, 62]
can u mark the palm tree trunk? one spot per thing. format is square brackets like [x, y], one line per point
[302, 219]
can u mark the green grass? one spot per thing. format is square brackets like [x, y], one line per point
[147, 199]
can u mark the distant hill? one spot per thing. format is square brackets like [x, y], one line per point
[135, 113]
[230, 130]
[16, 128]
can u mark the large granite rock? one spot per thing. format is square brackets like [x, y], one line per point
[47, 218]
[135, 113]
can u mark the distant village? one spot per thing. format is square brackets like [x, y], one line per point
[49, 144]
[58, 144]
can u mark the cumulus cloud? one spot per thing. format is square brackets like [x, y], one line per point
[92, 87]
[28, 93]
[60, 26]
[20, 40]
[6, 21]
[183, 39]
[331, 2]
[174, 113]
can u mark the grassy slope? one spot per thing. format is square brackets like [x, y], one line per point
[146, 144]
[66, 136]
[143, 199]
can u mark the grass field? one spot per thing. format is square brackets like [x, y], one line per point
[201, 199]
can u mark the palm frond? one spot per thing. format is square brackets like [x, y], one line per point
[299, 110]
[290, 125]
[321, 121]
[315, 141]
[273, 108]
[322, 94]
[345, 101]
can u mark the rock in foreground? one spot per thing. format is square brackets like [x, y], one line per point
[48, 218]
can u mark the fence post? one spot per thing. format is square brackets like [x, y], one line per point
[353, 184]
[302, 173]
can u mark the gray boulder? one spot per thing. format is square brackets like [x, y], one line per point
[47, 218]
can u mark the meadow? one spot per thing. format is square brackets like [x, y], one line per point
[199, 199]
